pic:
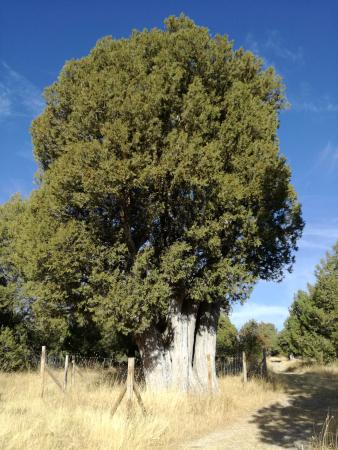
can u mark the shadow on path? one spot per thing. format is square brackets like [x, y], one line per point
[311, 397]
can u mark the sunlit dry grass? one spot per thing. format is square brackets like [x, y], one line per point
[82, 419]
[331, 368]
[304, 366]
[326, 439]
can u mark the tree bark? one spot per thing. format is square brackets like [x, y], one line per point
[177, 358]
[183, 318]
[155, 359]
[205, 344]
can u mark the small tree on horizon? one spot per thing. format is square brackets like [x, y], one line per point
[255, 337]
[227, 337]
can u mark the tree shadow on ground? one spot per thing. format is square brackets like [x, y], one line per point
[312, 397]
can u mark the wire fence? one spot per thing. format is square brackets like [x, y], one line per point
[229, 365]
[116, 369]
[111, 370]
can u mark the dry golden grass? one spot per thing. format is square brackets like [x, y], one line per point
[82, 420]
[325, 440]
[303, 366]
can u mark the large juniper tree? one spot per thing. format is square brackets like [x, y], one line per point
[163, 194]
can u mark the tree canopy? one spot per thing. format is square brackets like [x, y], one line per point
[311, 329]
[227, 337]
[161, 172]
[160, 184]
[254, 337]
[15, 326]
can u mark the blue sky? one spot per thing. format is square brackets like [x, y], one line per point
[300, 38]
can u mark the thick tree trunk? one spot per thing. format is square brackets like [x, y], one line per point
[182, 329]
[177, 359]
[155, 359]
[205, 344]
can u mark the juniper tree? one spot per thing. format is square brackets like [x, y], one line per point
[14, 330]
[311, 329]
[163, 194]
[226, 337]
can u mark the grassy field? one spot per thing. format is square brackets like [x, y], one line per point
[82, 419]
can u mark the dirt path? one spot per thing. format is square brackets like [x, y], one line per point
[288, 423]
[242, 435]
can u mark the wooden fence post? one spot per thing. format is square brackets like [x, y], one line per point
[264, 365]
[129, 388]
[130, 382]
[209, 372]
[73, 371]
[119, 400]
[56, 381]
[42, 369]
[139, 399]
[245, 373]
[65, 373]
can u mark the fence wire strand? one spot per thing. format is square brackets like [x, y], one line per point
[225, 365]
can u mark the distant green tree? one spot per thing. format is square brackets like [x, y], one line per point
[268, 336]
[254, 337]
[15, 345]
[227, 337]
[15, 348]
[311, 329]
[249, 342]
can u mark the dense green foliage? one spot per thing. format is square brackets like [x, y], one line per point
[254, 337]
[160, 177]
[14, 308]
[268, 336]
[25, 324]
[312, 327]
[227, 337]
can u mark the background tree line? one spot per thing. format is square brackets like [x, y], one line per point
[252, 338]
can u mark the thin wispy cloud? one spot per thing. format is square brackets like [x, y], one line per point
[306, 244]
[5, 102]
[275, 44]
[318, 237]
[252, 44]
[276, 53]
[328, 157]
[306, 100]
[18, 96]
[321, 106]
[321, 232]
[323, 165]
[273, 47]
